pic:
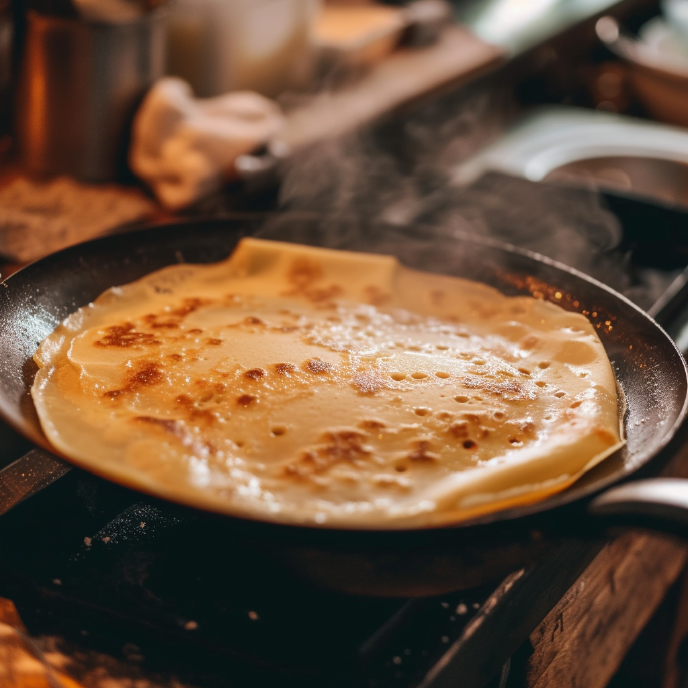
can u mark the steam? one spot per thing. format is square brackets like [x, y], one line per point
[392, 172]
[402, 173]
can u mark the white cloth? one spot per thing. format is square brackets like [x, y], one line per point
[184, 148]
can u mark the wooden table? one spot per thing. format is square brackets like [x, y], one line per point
[589, 632]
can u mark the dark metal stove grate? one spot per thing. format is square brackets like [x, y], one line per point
[146, 578]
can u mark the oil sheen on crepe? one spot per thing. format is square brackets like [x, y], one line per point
[306, 385]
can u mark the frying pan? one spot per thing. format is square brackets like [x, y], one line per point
[421, 561]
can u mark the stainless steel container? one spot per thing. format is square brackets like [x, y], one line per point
[6, 47]
[79, 86]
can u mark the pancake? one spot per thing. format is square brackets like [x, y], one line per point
[310, 386]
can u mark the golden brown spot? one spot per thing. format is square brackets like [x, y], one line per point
[304, 272]
[371, 425]
[420, 454]
[193, 412]
[175, 357]
[246, 400]
[195, 330]
[302, 275]
[375, 296]
[124, 337]
[285, 369]
[252, 320]
[323, 295]
[317, 366]
[153, 320]
[338, 447]
[189, 305]
[255, 374]
[459, 430]
[528, 428]
[164, 423]
[145, 373]
[213, 341]
[469, 444]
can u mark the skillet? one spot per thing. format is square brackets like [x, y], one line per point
[649, 369]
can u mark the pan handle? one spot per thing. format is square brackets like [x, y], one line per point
[658, 503]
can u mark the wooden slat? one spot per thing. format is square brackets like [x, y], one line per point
[674, 663]
[583, 640]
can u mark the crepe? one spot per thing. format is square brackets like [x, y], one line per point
[311, 386]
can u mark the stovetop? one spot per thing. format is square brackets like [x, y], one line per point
[136, 578]
[175, 591]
